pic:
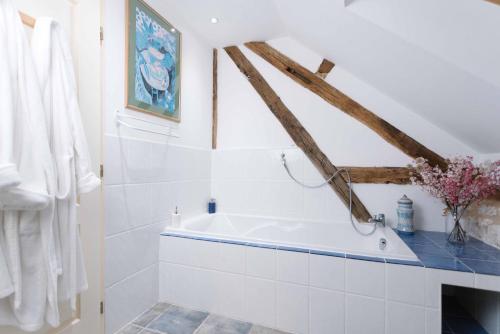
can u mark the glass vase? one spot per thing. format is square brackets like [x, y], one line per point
[457, 235]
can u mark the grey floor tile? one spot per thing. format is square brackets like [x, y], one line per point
[161, 307]
[145, 319]
[147, 331]
[130, 329]
[263, 330]
[178, 320]
[221, 325]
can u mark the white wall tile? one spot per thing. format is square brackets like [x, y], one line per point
[126, 207]
[292, 308]
[327, 311]
[231, 258]
[255, 164]
[114, 150]
[293, 267]
[405, 318]
[406, 284]
[327, 272]
[164, 199]
[261, 262]
[205, 254]
[432, 321]
[364, 315]
[230, 295]
[259, 197]
[365, 278]
[197, 253]
[162, 160]
[193, 198]
[137, 161]
[166, 286]
[434, 278]
[487, 282]
[141, 288]
[260, 301]
[177, 250]
[129, 252]
[194, 288]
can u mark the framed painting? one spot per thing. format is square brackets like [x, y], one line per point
[153, 65]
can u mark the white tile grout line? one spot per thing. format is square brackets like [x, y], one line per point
[204, 320]
[133, 275]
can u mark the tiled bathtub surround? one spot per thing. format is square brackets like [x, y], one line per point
[306, 293]
[144, 181]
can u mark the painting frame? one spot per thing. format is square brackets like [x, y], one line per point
[131, 69]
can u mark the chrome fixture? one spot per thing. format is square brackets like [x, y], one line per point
[382, 243]
[378, 219]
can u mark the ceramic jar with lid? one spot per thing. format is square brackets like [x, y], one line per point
[405, 216]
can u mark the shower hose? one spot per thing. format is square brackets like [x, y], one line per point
[285, 165]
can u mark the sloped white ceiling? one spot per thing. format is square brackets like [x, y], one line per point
[239, 20]
[440, 58]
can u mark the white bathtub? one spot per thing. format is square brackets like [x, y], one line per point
[304, 235]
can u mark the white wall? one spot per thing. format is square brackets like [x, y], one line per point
[147, 175]
[247, 173]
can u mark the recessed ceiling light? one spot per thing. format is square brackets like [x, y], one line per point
[172, 29]
[214, 20]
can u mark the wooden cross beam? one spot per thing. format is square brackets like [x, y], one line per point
[325, 67]
[297, 132]
[343, 102]
[379, 175]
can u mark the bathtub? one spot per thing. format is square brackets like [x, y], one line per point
[302, 277]
[299, 235]
[297, 276]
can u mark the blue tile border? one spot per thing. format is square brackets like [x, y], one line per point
[260, 245]
[431, 248]
[365, 258]
[405, 262]
[327, 253]
[293, 249]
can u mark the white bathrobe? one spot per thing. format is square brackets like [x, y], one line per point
[24, 162]
[26, 183]
[54, 66]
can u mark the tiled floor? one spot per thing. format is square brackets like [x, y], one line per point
[170, 319]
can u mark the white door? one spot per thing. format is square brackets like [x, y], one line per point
[82, 20]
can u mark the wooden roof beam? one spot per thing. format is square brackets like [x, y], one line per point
[297, 132]
[320, 87]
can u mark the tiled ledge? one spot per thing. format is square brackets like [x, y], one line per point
[434, 251]
[295, 249]
[431, 248]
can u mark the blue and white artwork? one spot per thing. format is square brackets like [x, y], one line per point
[154, 59]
